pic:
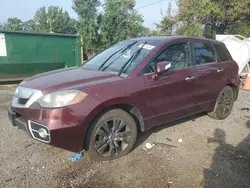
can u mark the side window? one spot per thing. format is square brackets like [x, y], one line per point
[223, 53]
[204, 53]
[178, 55]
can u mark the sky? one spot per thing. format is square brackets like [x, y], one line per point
[25, 9]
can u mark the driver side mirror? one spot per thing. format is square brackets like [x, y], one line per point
[163, 66]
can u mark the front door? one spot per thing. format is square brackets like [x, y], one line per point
[171, 96]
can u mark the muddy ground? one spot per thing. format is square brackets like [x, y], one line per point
[213, 154]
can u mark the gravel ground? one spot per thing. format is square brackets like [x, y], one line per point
[212, 154]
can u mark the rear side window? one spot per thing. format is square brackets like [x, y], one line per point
[223, 53]
[204, 53]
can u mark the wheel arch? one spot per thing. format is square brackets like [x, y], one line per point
[127, 107]
[235, 90]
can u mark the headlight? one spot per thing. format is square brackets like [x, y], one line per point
[61, 98]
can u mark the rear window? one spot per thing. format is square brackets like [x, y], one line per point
[223, 53]
[204, 53]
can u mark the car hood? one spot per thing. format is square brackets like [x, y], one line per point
[68, 78]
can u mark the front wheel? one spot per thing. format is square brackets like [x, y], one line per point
[111, 136]
[224, 104]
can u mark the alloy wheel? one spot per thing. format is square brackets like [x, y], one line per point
[225, 103]
[112, 137]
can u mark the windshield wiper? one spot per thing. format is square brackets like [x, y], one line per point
[132, 58]
[122, 49]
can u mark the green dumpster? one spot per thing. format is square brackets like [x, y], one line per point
[25, 54]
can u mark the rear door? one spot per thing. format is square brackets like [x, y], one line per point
[171, 96]
[209, 74]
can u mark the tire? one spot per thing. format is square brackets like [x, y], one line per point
[224, 104]
[111, 136]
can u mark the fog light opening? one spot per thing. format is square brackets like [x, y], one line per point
[42, 133]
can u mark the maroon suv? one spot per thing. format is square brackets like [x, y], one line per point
[132, 86]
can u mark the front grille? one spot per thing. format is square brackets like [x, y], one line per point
[22, 101]
[34, 130]
[24, 97]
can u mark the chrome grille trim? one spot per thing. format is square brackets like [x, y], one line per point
[33, 130]
[25, 93]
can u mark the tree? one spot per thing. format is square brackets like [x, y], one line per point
[154, 33]
[55, 20]
[41, 19]
[217, 17]
[87, 11]
[190, 29]
[121, 21]
[30, 25]
[241, 27]
[166, 25]
[13, 24]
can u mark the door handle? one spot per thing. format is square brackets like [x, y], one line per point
[190, 78]
[220, 70]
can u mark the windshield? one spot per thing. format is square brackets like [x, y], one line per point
[125, 56]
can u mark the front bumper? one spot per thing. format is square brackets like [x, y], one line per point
[17, 121]
[66, 127]
[29, 126]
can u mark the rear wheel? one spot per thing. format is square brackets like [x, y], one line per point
[111, 136]
[224, 104]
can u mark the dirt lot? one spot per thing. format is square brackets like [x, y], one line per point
[212, 154]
